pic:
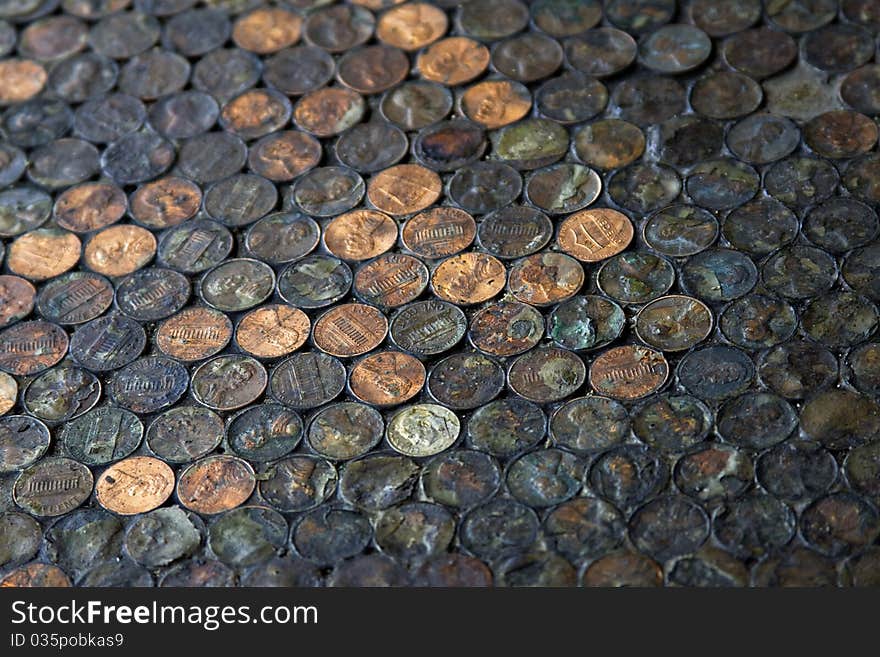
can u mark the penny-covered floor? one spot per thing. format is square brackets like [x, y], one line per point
[367, 293]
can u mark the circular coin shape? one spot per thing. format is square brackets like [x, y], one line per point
[307, 380]
[24, 209]
[23, 440]
[439, 232]
[757, 321]
[215, 484]
[134, 485]
[716, 372]
[423, 430]
[585, 322]
[16, 299]
[426, 328]
[636, 277]
[391, 280]
[350, 329]
[761, 226]
[468, 278]
[629, 372]
[506, 328]
[506, 427]
[345, 430]
[194, 333]
[798, 368]
[680, 230]
[387, 378]
[360, 234]
[29, 348]
[53, 487]
[675, 49]
[265, 432]
[149, 384]
[184, 434]
[545, 278]
[229, 382]
[546, 374]
[672, 423]
[237, 284]
[465, 380]
[8, 392]
[80, 392]
[272, 331]
[719, 275]
[674, 323]
[594, 235]
[102, 435]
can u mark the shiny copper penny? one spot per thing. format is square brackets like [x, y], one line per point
[135, 485]
[36, 575]
[266, 30]
[412, 26]
[360, 234]
[215, 484]
[31, 347]
[272, 331]
[165, 202]
[329, 111]
[391, 280]
[628, 372]
[674, 323]
[16, 299]
[90, 206]
[469, 278]
[282, 156]
[453, 61]
[439, 232]
[119, 250]
[404, 189]
[496, 103]
[545, 278]
[350, 329]
[194, 333]
[43, 253]
[595, 234]
[387, 378]
[8, 392]
[23, 79]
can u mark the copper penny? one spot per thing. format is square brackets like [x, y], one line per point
[16, 299]
[282, 156]
[469, 278]
[453, 61]
[36, 575]
[387, 378]
[506, 328]
[841, 133]
[391, 280]
[256, 113]
[194, 333]
[404, 189]
[595, 234]
[439, 232]
[628, 372]
[43, 253]
[90, 206]
[22, 80]
[215, 484]
[119, 250]
[496, 103]
[609, 143]
[135, 485]
[360, 234]
[266, 30]
[31, 347]
[272, 331]
[372, 69]
[674, 323]
[165, 202]
[329, 111]
[412, 26]
[350, 329]
[8, 392]
[545, 278]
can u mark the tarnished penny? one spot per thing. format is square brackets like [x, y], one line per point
[266, 30]
[228, 382]
[53, 487]
[452, 61]
[546, 374]
[372, 69]
[43, 253]
[506, 328]
[496, 103]
[391, 280]
[282, 156]
[90, 206]
[135, 485]
[16, 299]
[215, 484]
[674, 323]
[329, 111]
[404, 189]
[468, 278]
[119, 250]
[350, 329]
[423, 430]
[194, 333]
[387, 378]
[165, 202]
[272, 331]
[439, 232]
[629, 372]
[31, 347]
[412, 26]
[360, 234]
[545, 278]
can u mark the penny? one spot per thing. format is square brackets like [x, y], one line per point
[468, 278]
[454, 569]
[265, 432]
[545, 278]
[267, 30]
[795, 369]
[484, 187]
[370, 147]
[282, 156]
[719, 275]
[108, 118]
[215, 484]
[184, 114]
[134, 485]
[563, 188]
[339, 28]
[153, 74]
[623, 569]
[726, 95]
[858, 271]
[119, 250]
[439, 232]
[37, 122]
[506, 427]
[584, 528]
[763, 138]
[838, 48]
[63, 162]
[629, 372]
[466, 380]
[754, 524]
[496, 103]
[38, 575]
[861, 569]
[502, 526]
[686, 140]
[860, 178]
[391, 280]
[53, 487]
[360, 234]
[527, 57]
[149, 384]
[12, 164]
[372, 69]
[461, 478]
[282, 237]
[378, 481]
[137, 157]
[506, 328]
[237, 284]
[675, 48]
[571, 98]
[416, 104]
[24, 78]
[161, 537]
[861, 89]
[152, 294]
[193, 334]
[427, 328]
[561, 18]
[680, 527]
[796, 471]
[19, 540]
[680, 230]
[329, 111]
[248, 536]
[31, 347]
[350, 329]
[80, 392]
[240, 199]
[648, 100]
[8, 392]
[594, 235]
[761, 226]
[449, 145]
[294, 71]
[546, 374]
[589, 424]
[514, 231]
[802, 15]
[197, 31]
[672, 423]
[211, 156]
[346, 430]
[387, 378]
[102, 436]
[23, 209]
[255, 113]
[861, 366]
[165, 202]
[184, 434]
[839, 225]
[90, 206]
[756, 420]
[314, 281]
[23, 441]
[727, 18]
[327, 191]
[840, 523]
[272, 331]
[43, 253]
[840, 419]
[644, 187]
[636, 277]
[492, 19]
[545, 477]
[585, 322]
[423, 430]
[840, 319]
[861, 11]
[722, 184]
[674, 323]
[800, 94]
[537, 569]
[108, 342]
[16, 299]
[453, 61]
[226, 383]
[716, 372]
[609, 143]
[640, 15]
[840, 134]
[307, 380]
[798, 272]
[530, 144]
[757, 321]
[412, 26]
[600, 52]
